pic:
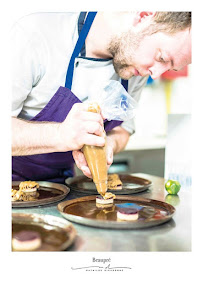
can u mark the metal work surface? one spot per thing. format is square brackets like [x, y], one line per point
[174, 235]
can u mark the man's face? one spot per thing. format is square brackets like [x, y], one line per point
[151, 54]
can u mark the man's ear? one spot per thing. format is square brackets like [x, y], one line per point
[140, 16]
[146, 14]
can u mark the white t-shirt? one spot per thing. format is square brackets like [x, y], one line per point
[42, 45]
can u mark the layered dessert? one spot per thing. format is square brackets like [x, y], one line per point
[128, 211]
[106, 200]
[26, 241]
[129, 214]
[29, 187]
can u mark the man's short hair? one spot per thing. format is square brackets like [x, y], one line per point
[172, 22]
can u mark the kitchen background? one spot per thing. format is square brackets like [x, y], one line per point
[161, 144]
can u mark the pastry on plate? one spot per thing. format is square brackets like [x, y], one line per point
[29, 187]
[114, 182]
[15, 195]
[107, 199]
[129, 214]
[27, 191]
[26, 241]
[26, 197]
[102, 201]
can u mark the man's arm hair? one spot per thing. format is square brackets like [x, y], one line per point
[30, 138]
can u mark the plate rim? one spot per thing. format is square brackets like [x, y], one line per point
[45, 218]
[142, 188]
[58, 186]
[115, 224]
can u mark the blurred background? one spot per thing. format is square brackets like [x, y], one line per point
[161, 145]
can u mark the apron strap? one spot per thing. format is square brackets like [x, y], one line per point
[125, 84]
[81, 40]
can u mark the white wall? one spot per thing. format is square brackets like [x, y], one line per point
[151, 118]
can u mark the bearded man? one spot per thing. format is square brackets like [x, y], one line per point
[58, 56]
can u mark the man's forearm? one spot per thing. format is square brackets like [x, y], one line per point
[79, 127]
[118, 137]
[30, 138]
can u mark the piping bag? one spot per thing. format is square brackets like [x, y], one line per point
[115, 104]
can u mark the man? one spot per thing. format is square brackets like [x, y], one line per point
[50, 125]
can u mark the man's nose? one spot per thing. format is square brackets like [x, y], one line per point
[157, 71]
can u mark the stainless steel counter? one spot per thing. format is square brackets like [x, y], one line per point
[174, 235]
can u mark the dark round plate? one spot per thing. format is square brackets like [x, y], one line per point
[84, 211]
[48, 193]
[131, 184]
[56, 233]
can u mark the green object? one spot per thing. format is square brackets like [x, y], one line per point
[172, 187]
[173, 200]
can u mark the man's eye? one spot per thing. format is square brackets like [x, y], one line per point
[161, 59]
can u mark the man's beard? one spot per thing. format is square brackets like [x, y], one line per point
[120, 67]
[122, 49]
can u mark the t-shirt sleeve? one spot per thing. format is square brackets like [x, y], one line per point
[26, 65]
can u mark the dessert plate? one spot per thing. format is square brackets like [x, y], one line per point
[56, 233]
[131, 184]
[49, 192]
[84, 211]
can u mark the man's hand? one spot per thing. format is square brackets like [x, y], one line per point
[116, 141]
[79, 128]
[81, 163]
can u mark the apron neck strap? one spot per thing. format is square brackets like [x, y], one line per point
[81, 40]
[125, 84]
